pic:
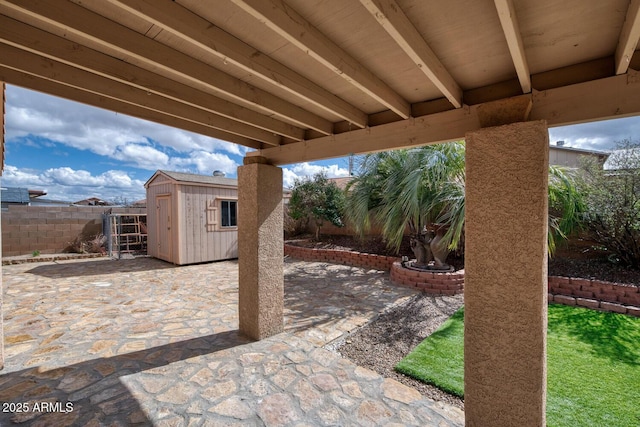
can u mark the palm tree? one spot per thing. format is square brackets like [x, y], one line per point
[567, 205]
[423, 188]
[415, 189]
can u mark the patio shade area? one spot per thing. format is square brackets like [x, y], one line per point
[302, 80]
[143, 342]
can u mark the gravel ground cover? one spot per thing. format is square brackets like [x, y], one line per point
[381, 344]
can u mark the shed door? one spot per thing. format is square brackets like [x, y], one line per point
[163, 209]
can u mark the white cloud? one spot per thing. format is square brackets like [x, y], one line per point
[13, 177]
[72, 185]
[61, 127]
[100, 131]
[302, 170]
[142, 156]
[601, 135]
[205, 163]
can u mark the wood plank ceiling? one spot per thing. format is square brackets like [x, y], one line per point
[309, 79]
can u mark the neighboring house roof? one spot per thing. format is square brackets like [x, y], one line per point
[49, 202]
[92, 201]
[15, 195]
[194, 178]
[579, 150]
[37, 193]
[623, 159]
[572, 157]
[342, 181]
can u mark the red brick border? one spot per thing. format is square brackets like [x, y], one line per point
[595, 294]
[355, 259]
[435, 283]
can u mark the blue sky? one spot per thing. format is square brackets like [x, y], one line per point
[73, 151]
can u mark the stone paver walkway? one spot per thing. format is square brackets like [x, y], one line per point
[143, 342]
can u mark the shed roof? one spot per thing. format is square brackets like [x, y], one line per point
[193, 178]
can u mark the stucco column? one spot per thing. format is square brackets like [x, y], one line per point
[260, 250]
[505, 291]
[2, 109]
[1, 309]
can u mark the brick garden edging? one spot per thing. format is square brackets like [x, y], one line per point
[336, 256]
[595, 294]
[434, 283]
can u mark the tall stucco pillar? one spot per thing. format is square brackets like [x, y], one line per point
[506, 275]
[1, 310]
[260, 250]
[2, 109]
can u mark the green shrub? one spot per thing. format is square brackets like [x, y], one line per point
[319, 199]
[612, 197]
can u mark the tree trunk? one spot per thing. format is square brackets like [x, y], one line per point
[438, 250]
[422, 252]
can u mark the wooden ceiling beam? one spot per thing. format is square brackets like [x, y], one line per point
[609, 98]
[183, 23]
[405, 34]
[29, 38]
[629, 37]
[612, 97]
[511, 29]
[289, 24]
[576, 73]
[79, 22]
[29, 81]
[49, 69]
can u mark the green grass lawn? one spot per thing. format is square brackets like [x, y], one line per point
[593, 365]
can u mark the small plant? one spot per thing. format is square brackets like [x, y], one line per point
[85, 245]
[294, 227]
[35, 253]
[612, 198]
[319, 199]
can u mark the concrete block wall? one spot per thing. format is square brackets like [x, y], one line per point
[50, 229]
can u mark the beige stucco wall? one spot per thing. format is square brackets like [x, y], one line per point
[260, 250]
[1, 308]
[506, 275]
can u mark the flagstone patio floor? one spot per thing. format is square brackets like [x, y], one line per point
[103, 342]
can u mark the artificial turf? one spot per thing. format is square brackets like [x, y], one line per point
[593, 365]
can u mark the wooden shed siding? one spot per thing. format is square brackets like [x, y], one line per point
[197, 244]
[192, 241]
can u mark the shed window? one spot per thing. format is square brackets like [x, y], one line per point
[229, 209]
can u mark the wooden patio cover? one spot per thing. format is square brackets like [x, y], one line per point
[304, 80]
[309, 79]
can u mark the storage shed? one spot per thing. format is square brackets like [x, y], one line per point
[191, 218]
